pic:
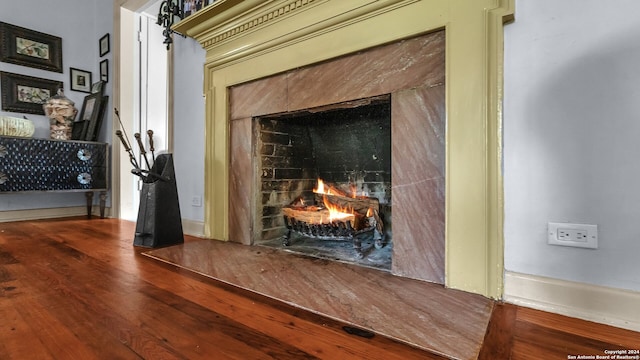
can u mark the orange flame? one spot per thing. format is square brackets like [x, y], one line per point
[327, 190]
[337, 212]
[322, 188]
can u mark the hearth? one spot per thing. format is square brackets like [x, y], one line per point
[348, 147]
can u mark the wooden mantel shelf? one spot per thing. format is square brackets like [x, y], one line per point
[227, 19]
[220, 12]
[234, 29]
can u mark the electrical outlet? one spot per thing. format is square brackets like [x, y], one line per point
[196, 201]
[575, 235]
[572, 235]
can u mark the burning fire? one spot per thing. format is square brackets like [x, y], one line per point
[321, 188]
[336, 207]
[330, 190]
[335, 212]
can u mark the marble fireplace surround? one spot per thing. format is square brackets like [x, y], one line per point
[412, 71]
[247, 40]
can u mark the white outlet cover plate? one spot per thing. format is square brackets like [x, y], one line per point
[196, 201]
[591, 242]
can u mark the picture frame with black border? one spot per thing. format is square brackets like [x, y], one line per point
[94, 125]
[26, 94]
[104, 70]
[80, 80]
[79, 129]
[88, 114]
[22, 46]
[104, 44]
[98, 87]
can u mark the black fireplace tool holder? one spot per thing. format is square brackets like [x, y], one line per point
[159, 221]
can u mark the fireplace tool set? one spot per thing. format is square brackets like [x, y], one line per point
[159, 221]
[318, 221]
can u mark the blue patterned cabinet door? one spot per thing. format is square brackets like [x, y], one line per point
[52, 165]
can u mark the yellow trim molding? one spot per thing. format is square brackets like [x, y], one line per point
[252, 39]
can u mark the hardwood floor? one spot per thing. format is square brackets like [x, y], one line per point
[78, 289]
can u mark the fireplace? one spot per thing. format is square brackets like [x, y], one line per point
[346, 146]
[393, 96]
[266, 57]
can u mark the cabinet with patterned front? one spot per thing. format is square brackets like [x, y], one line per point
[52, 165]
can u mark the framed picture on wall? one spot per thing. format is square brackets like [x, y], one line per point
[104, 45]
[104, 70]
[26, 94]
[80, 80]
[97, 87]
[31, 48]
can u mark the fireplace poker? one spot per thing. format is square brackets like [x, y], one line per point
[144, 174]
[136, 168]
[142, 150]
[127, 148]
[125, 141]
[153, 155]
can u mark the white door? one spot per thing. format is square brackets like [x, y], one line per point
[153, 87]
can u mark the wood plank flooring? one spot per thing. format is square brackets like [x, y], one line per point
[78, 289]
[522, 333]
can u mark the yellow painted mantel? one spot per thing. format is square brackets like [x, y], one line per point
[251, 39]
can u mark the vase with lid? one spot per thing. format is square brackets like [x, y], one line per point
[61, 113]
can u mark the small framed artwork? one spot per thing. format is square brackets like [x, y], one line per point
[97, 87]
[26, 94]
[88, 114]
[104, 45]
[104, 70]
[94, 124]
[30, 48]
[80, 80]
[90, 106]
[79, 130]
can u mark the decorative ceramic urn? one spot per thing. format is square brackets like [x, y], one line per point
[61, 113]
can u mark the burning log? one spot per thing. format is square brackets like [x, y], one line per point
[315, 215]
[336, 230]
[362, 205]
[335, 216]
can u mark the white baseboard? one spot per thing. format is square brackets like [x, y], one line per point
[193, 228]
[595, 303]
[34, 214]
